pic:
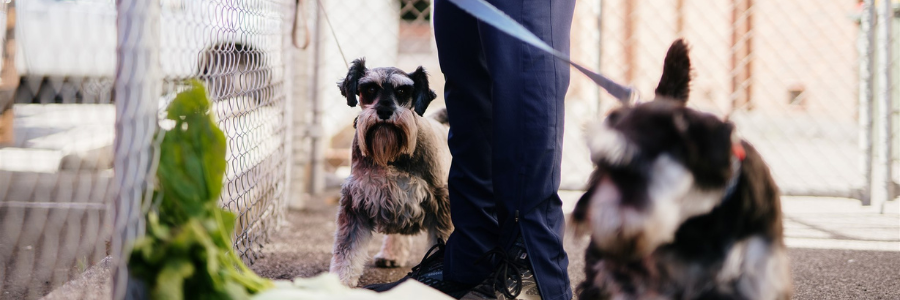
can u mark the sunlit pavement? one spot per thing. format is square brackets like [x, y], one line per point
[838, 249]
[826, 223]
[836, 223]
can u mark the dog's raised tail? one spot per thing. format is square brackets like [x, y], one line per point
[676, 76]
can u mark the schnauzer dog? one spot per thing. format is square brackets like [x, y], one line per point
[678, 207]
[400, 164]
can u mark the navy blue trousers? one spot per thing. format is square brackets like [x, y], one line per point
[505, 102]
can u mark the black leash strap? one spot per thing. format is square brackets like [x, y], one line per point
[489, 14]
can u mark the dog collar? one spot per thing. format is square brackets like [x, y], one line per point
[737, 157]
[738, 150]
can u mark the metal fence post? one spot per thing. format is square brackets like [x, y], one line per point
[884, 180]
[287, 53]
[866, 96]
[600, 15]
[317, 144]
[741, 54]
[137, 92]
[299, 68]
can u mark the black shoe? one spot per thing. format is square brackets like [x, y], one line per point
[513, 278]
[431, 273]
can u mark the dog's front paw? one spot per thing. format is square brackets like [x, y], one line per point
[346, 275]
[351, 282]
[347, 271]
[394, 251]
[382, 262]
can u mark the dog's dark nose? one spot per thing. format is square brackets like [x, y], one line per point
[384, 113]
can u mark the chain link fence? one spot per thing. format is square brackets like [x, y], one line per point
[786, 72]
[387, 33]
[83, 85]
[398, 33]
[791, 75]
[238, 50]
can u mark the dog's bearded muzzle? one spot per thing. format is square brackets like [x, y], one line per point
[385, 140]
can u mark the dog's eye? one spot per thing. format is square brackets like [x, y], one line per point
[401, 92]
[371, 90]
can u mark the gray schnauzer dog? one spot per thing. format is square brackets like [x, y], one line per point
[400, 164]
[678, 207]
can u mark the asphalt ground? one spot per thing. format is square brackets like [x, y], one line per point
[838, 249]
[302, 248]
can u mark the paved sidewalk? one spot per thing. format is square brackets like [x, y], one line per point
[826, 223]
[838, 248]
[837, 223]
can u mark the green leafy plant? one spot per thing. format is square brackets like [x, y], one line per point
[187, 251]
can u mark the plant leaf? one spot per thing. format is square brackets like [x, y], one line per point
[170, 281]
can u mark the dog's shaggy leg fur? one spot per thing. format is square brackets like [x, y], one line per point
[350, 242]
[589, 288]
[440, 227]
[394, 251]
[755, 270]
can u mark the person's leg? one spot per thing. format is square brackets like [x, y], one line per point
[528, 91]
[467, 95]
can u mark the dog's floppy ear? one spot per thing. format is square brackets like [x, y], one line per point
[349, 86]
[422, 95]
[676, 76]
[708, 141]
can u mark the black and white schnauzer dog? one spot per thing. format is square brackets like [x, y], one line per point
[400, 164]
[678, 207]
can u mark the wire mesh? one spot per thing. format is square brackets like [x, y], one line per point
[56, 163]
[399, 33]
[76, 133]
[786, 72]
[393, 33]
[238, 50]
